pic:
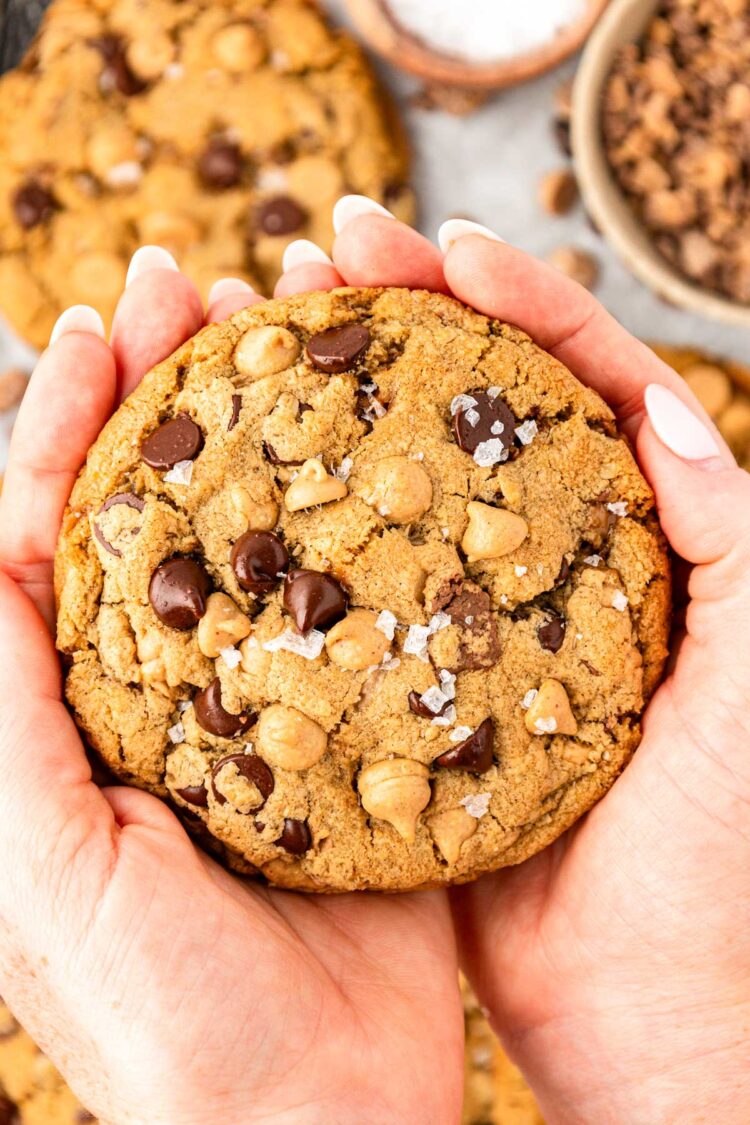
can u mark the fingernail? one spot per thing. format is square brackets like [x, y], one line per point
[453, 229]
[149, 258]
[302, 252]
[78, 318]
[228, 287]
[677, 427]
[352, 206]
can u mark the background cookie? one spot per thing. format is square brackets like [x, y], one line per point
[369, 585]
[220, 131]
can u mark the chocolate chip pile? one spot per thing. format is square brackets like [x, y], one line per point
[219, 131]
[676, 124]
[367, 586]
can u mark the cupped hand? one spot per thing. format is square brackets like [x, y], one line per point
[616, 964]
[165, 989]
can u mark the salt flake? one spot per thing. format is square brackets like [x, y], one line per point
[529, 698]
[520, 571]
[472, 416]
[447, 718]
[460, 734]
[176, 734]
[593, 560]
[183, 705]
[182, 473]
[620, 601]
[618, 508]
[476, 804]
[527, 431]
[448, 681]
[490, 452]
[462, 402]
[387, 623]
[497, 428]
[231, 656]
[546, 726]
[127, 174]
[493, 392]
[309, 645]
[434, 699]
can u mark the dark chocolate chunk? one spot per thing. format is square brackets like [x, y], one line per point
[178, 592]
[236, 408]
[258, 559]
[338, 349]
[552, 633]
[194, 795]
[178, 439]
[211, 715]
[315, 600]
[417, 707]
[251, 767]
[473, 755]
[296, 837]
[487, 419]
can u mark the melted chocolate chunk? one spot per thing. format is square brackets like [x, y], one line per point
[470, 610]
[552, 633]
[475, 754]
[417, 707]
[220, 164]
[194, 795]
[236, 409]
[132, 501]
[253, 768]
[178, 592]
[338, 349]
[281, 215]
[490, 418]
[210, 713]
[296, 837]
[32, 205]
[259, 559]
[178, 439]
[315, 600]
[117, 72]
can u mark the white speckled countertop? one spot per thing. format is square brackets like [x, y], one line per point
[486, 166]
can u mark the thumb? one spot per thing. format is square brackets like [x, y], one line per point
[702, 495]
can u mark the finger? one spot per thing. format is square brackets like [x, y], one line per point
[229, 296]
[374, 250]
[703, 497]
[308, 278]
[69, 398]
[158, 311]
[562, 317]
[53, 821]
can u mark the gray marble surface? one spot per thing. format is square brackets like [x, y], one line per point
[487, 166]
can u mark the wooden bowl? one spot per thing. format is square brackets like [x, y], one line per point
[622, 23]
[382, 32]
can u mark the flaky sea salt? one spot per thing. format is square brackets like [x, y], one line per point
[490, 452]
[493, 392]
[448, 683]
[272, 179]
[231, 656]
[620, 601]
[497, 428]
[460, 734]
[418, 635]
[618, 508]
[520, 571]
[492, 29]
[176, 734]
[447, 718]
[386, 623]
[184, 704]
[476, 804]
[503, 599]
[182, 473]
[127, 174]
[344, 470]
[472, 416]
[529, 698]
[593, 560]
[546, 726]
[434, 699]
[309, 645]
[527, 431]
[462, 402]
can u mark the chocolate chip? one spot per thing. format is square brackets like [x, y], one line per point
[417, 707]
[315, 600]
[258, 559]
[236, 408]
[220, 164]
[178, 592]
[132, 501]
[338, 349]
[251, 767]
[273, 457]
[296, 838]
[552, 634]
[194, 795]
[281, 215]
[32, 205]
[210, 714]
[479, 639]
[117, 73]
[473, 755]
[493, 411]
[9, 1114]
[179, 439]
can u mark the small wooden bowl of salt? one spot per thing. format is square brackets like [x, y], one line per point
[480, 44]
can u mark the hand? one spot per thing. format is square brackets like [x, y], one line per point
[167, 990]
[616, 964]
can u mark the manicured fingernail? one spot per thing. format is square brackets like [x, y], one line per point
[228, 287]
[78, 318]
[677, 427]
[302, 253]
[352, 206]
[149, 258]
[453, 229]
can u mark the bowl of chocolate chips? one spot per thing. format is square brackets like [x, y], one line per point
[661, 138]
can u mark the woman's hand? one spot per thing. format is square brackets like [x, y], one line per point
[167, 990]
[616, 964]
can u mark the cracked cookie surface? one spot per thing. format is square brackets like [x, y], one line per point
[368, 586]
[220, 131]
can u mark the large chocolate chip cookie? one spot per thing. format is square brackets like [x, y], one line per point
[369, 586]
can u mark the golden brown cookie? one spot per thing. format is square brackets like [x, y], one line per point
[220, 131]
[31, 1090]
[369, 586]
